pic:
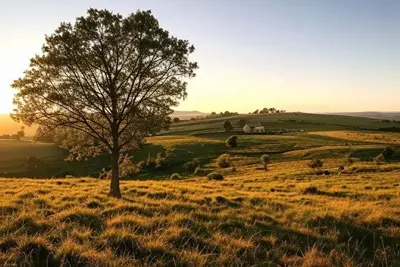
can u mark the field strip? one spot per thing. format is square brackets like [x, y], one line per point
[174, 140]
[385, 138]
[323, 148]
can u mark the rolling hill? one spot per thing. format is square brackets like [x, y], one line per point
[372, 114]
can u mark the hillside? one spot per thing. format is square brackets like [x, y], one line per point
[202, 139]
[284, 213]
[372, 115]
[289, 215]
[187, 115]
[288, 121]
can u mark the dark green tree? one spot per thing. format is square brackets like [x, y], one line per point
[104, 83]
[228, 126]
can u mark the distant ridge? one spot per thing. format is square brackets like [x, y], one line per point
[395, 115]
[186, 115]
[9, 126]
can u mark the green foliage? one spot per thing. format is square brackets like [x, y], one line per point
[265, 160]
[379, 159]
[227, 126]
[150, 163]
[127, 167]
[99, 115]
[142, 165]
[215, 176]
[224, 161]
[161, 162]
[232, 141]
[315, 163]
[191, 166]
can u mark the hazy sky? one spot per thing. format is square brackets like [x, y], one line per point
[311, 55]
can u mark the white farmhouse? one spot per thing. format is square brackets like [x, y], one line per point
[257, 128]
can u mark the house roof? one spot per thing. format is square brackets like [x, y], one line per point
[253, 125]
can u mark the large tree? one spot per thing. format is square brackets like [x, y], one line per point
[105, 83]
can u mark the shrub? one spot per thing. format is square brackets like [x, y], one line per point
[142, 164]
[311, 190]
[175, 176]
[224, 161]
[200, 171]
[232, 141]
[151, 163]
[191, 166]
[265, 161]
[379, 159]
[227, 126]
[176, 120]
[126, 167]
[215, 176]
[315, 163]
[161, 162]
[388, 152]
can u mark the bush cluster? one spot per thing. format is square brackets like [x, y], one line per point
[191, 166]
[315, 163]
[232, 141]
[224, 161]
[215, 176]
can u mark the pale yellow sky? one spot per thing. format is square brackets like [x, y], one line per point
[317, 57]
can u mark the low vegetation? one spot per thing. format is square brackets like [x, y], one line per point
[265, 160]
[286, 218]
[224, 161]
[212, 205]
[232, 141]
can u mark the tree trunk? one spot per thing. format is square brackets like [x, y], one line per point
[114, 186]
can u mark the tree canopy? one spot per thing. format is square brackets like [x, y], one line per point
[104, 83]
[227, 126]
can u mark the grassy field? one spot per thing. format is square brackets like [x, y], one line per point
[206, 142]
[289, 215]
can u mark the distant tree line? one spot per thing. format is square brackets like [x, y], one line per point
[17, 136]
[267, 111]
[221, 114]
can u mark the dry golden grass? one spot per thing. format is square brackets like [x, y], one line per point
[384, 138]
[302, 152]
[251, 218]
[171, 141]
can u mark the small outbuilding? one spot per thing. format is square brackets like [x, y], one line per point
[253, 128]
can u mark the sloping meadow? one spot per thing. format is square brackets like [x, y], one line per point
[251, 218]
